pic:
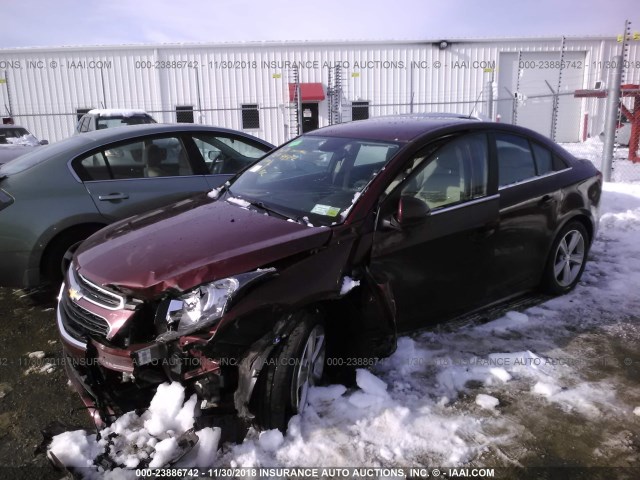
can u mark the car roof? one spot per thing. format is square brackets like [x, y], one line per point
[394, 128]
[131, 131]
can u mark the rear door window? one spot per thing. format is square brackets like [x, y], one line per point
[515, 160]
[156, 157]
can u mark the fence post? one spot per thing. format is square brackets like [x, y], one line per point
[613, 102]
[490, 100]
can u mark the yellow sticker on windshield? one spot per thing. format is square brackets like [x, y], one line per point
[325, 210]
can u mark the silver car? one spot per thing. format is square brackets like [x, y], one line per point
[54, 197]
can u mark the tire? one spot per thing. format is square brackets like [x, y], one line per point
[57, 254]
[297, 364]
[567, 259]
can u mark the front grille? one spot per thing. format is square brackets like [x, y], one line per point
[96, 294]
[81, 323]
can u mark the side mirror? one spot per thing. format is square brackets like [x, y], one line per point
[411, 211]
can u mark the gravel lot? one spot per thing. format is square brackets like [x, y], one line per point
[33, 391]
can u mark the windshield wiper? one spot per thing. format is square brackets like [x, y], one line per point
[261, 205]
[271, 210]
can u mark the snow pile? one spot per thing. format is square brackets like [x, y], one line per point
[215, 193]
[238, 201]
[487, 401]
[348, 284]
[76, 449]
[149, 440]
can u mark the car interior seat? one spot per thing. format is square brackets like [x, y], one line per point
[439, 183]
[184, 167]
[155, 156]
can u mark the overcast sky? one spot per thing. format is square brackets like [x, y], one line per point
[106, 22]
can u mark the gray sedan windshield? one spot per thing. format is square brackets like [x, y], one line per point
[314, 177]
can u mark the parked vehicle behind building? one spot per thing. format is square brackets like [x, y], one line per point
[99, 119]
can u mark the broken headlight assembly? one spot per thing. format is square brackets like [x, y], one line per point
[203, 306]
[197, 309]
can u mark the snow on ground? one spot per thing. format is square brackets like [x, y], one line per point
[512, 391]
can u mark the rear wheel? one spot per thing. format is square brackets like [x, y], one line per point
[567, 259]
[296, 366]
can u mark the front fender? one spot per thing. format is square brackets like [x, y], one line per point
[251, 363]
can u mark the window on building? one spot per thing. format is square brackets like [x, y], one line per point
[81, 111]
[250, 116]
[184, 113]
[359, 110]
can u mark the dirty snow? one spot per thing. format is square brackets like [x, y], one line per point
[456, 394]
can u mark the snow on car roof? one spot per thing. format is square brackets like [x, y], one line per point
[116, 112]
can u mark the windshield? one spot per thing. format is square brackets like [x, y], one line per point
[314, 177]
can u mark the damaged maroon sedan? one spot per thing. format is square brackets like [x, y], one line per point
[319, 254]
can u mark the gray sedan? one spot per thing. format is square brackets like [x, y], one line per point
[54, 197]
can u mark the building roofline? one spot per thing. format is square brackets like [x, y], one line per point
[300, 43]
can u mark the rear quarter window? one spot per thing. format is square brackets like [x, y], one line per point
[515, 160]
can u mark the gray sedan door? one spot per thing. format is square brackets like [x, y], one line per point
[139, 175]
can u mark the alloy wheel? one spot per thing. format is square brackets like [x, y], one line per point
[309, 367]
[569, 258]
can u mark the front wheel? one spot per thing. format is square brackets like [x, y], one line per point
[293, 368]
[567, 259]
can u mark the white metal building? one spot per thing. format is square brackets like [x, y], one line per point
[252, 86]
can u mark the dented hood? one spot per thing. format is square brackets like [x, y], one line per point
[189, 243]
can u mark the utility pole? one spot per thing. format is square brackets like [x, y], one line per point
[613, 102]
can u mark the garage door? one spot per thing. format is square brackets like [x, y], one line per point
[536, 113]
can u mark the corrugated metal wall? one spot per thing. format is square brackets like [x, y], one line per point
[45, 87]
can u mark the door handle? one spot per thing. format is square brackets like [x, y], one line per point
[545, 200]
[113, 196]
[485, 231]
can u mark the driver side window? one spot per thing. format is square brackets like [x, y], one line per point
[224, 154]
[455, 172]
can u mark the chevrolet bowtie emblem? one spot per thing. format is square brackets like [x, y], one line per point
[74, 294]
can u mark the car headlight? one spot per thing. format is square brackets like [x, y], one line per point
[205, 305]
[207, 302]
